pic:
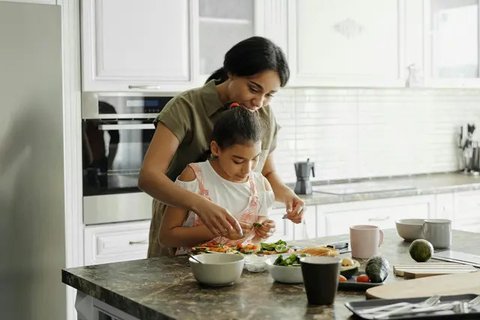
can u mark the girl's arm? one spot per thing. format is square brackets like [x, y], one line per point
[154, 181]
[172, 231]
[293, 203]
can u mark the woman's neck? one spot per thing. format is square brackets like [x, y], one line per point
[223, 92]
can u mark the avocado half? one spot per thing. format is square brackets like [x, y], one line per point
[350, 271]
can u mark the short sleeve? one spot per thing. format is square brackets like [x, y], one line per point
[176, 116]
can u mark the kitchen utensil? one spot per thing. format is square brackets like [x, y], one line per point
[193, 257]
[459, 283]
[458, 257]
[426, 269]
[463, 312]
[431, 301]
[389, 309]
[302, 171]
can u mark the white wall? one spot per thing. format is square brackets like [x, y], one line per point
[353, 133]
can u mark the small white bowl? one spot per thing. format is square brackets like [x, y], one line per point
[217, 269]
[410, 229]
[284, 274]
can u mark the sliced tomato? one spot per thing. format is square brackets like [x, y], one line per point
[363, 278]
[341, 278]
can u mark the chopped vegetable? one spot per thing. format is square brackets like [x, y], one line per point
[291, 260]
[363, 278]
[273, 246]
[341, 278]
[257, 225]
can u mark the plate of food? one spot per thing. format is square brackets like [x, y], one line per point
[352, 277]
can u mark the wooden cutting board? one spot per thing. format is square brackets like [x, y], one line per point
[427, 269]
[449, 284]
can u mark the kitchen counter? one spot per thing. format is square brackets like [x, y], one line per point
[422, 184]
[164, 288]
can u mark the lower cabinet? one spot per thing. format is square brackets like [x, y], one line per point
[466, 214]
[116, 242]
[336, 219]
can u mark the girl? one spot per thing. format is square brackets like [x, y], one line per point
[253, 71]
[227, 179]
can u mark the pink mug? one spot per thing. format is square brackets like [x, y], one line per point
[365, 240]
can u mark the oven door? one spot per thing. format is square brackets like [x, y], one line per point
[113, 152]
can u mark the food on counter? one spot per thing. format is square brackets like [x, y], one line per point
[273, 247]
[377, 268]
[220, 248]
[291, 260]
[248, 248]
[319, 251]
[341, 278]
[349, 267]
[362, 278]
[421, 250]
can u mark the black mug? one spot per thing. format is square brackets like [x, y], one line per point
[320, 278]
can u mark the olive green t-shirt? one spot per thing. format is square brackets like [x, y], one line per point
[191, 116]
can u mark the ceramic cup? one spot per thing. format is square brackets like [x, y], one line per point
[365, 240]
[438, 232]
[320, 278]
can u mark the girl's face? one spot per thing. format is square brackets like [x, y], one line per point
[237, 161]
[255, 91]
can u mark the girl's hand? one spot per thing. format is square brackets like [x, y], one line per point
[294, 205]
[266, 229]
[218, 220]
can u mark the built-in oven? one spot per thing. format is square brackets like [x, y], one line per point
[116, 132]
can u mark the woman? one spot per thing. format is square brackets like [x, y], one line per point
[253, 71]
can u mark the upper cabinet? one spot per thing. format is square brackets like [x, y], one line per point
[452, 43]
[165, 45]
[347, 42]
[132, 45]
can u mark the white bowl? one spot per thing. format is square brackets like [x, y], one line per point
[410, 229]
[284, 274]
[217, 269]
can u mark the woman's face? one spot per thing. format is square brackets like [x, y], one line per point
[255, 91]
[235, 163]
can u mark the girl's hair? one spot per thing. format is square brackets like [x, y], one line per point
[251, 56]
[237, 126]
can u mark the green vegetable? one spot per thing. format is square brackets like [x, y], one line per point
[271, 246]
[421, 250]
[377, 269]
[291, 260]
[257, 225]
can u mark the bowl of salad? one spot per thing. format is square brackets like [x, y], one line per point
[285, 268]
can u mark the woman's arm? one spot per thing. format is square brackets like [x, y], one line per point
[293, 203]
[155, 182]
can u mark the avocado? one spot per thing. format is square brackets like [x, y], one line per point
[377, 268]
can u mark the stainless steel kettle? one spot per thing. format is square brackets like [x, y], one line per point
[302, 170]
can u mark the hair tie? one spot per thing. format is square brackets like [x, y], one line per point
[233, 105]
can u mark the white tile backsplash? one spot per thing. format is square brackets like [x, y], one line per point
[355, 133]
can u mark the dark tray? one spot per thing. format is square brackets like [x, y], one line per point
[357, 306]
[352, 285]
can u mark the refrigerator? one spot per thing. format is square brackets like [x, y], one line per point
[32, 214]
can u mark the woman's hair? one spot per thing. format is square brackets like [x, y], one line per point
[251, 56]
[237, 126]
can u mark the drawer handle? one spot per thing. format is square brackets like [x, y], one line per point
[379, 219]
[132, 243]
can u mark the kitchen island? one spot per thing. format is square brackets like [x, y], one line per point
[164, 288]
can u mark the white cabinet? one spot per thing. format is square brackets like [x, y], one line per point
[334, 219]
[284, 229]
[134, 45]
[116, 242]
[347, 42]
[467, 211]
[452, 43]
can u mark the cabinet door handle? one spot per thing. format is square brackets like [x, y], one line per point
[379, 219]
[144, 87]
[132, 243]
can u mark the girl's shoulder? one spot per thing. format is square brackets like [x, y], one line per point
[261, 182]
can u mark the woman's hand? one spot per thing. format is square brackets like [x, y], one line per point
[266, 229]
[294, 205]
[218, 220]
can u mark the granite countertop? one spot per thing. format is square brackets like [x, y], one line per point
[163, 288]
[422, 184]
